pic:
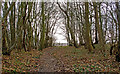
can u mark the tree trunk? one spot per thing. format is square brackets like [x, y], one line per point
[24, 27]
[98, 26]
[4, 39]
[42, 40]
[12, 25]
[0, 30]
[118, 18]
[88, 38]
[100, 30]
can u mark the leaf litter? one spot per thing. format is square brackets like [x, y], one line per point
[59, 59]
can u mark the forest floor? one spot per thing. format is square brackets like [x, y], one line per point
[60, 59]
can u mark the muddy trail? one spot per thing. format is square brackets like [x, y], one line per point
[49, 63]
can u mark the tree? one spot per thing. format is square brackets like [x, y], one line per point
[118, 18]
[42, 40]
[4, 39]
[68, 24]
[98, 26]
[12, 25]
[0, 29]
[88, 38]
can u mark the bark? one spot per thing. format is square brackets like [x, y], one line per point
[88, 38]
[118, 18]
[29, 28]
[98, 26]
[100, 30]
[19, 29]
[0, 30]
[5, 38]
[24, 27]
[96, 35]
[43, 29]
[12, 25]
[47, 31]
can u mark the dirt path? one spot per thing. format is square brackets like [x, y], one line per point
[49, 63]
[59, 59]
[75, 60]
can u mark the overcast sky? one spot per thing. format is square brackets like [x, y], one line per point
[59, 35]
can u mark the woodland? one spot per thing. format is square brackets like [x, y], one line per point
[92, 31]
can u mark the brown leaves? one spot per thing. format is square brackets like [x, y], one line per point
[22, 61]
[72, 59]
[85, 62]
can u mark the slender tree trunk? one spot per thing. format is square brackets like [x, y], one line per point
[118, 18]
[47, 31]
[29, 28]
[88, 38]
[68, 35]
[81, 37]
[72, 31]
[4, 39]
[24, 27]
[96, 37]
[42, 41]
[19, 31]
[98, 26]
[100, 30]
[0, 30]
[0, 36]
[12, 25]
[35, 39]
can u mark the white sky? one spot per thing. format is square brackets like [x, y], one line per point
[59, 35]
